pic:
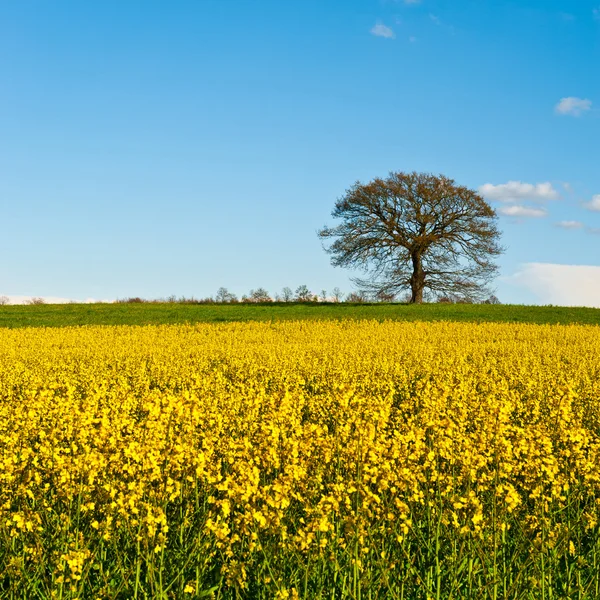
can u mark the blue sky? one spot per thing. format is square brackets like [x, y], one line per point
[154, 148]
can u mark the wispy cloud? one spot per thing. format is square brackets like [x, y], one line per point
[517, 191]
[412, 39]
[570, 224]
[573, 106]
[565, 285]
[412, 1]
[596, 13]
[566, 17]
[516, 210]
[593, 204]
[381, 30]
[436, 20]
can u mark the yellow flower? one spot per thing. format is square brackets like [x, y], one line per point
[300, 439]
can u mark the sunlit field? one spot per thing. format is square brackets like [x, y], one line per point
[300, 459]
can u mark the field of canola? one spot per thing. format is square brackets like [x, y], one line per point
[327, 460]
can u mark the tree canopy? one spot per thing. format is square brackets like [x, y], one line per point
[416, 232]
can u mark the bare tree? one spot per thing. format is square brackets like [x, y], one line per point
[286, 294]
[4, 300]
[337, 294]
[416, 231]
[224, 295]
[258, 295]
[303, 294]
[356, 297]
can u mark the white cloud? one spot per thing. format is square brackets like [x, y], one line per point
[516, 210]
[515, 191]
[412, 39]
[564, 285]
[594, 203]
[381, 30]
[570, 224]
[573, 106]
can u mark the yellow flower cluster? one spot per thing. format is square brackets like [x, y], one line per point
[299, 456]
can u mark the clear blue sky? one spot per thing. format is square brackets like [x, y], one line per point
[153, 148]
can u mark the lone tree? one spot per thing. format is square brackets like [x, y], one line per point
[417, 231]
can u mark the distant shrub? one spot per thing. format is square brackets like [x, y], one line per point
[171, 300]
[4, 300]
[36, 301]
[453, 299]
[356, 297]
[192, 300]
[257, 296]
[385, 296]
[225, 296]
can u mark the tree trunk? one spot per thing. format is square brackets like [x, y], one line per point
[417, 280]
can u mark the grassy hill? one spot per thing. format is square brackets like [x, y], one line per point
[62, 315]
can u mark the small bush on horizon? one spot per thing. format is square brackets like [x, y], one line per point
[492, 300]
[452, 299]
[169, 300]
[382, 296]
[356, 297]
[257, 296]
[36, 301]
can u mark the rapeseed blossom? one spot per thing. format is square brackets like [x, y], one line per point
[289, 459]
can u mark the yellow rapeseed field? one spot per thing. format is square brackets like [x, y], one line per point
[350, 459]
